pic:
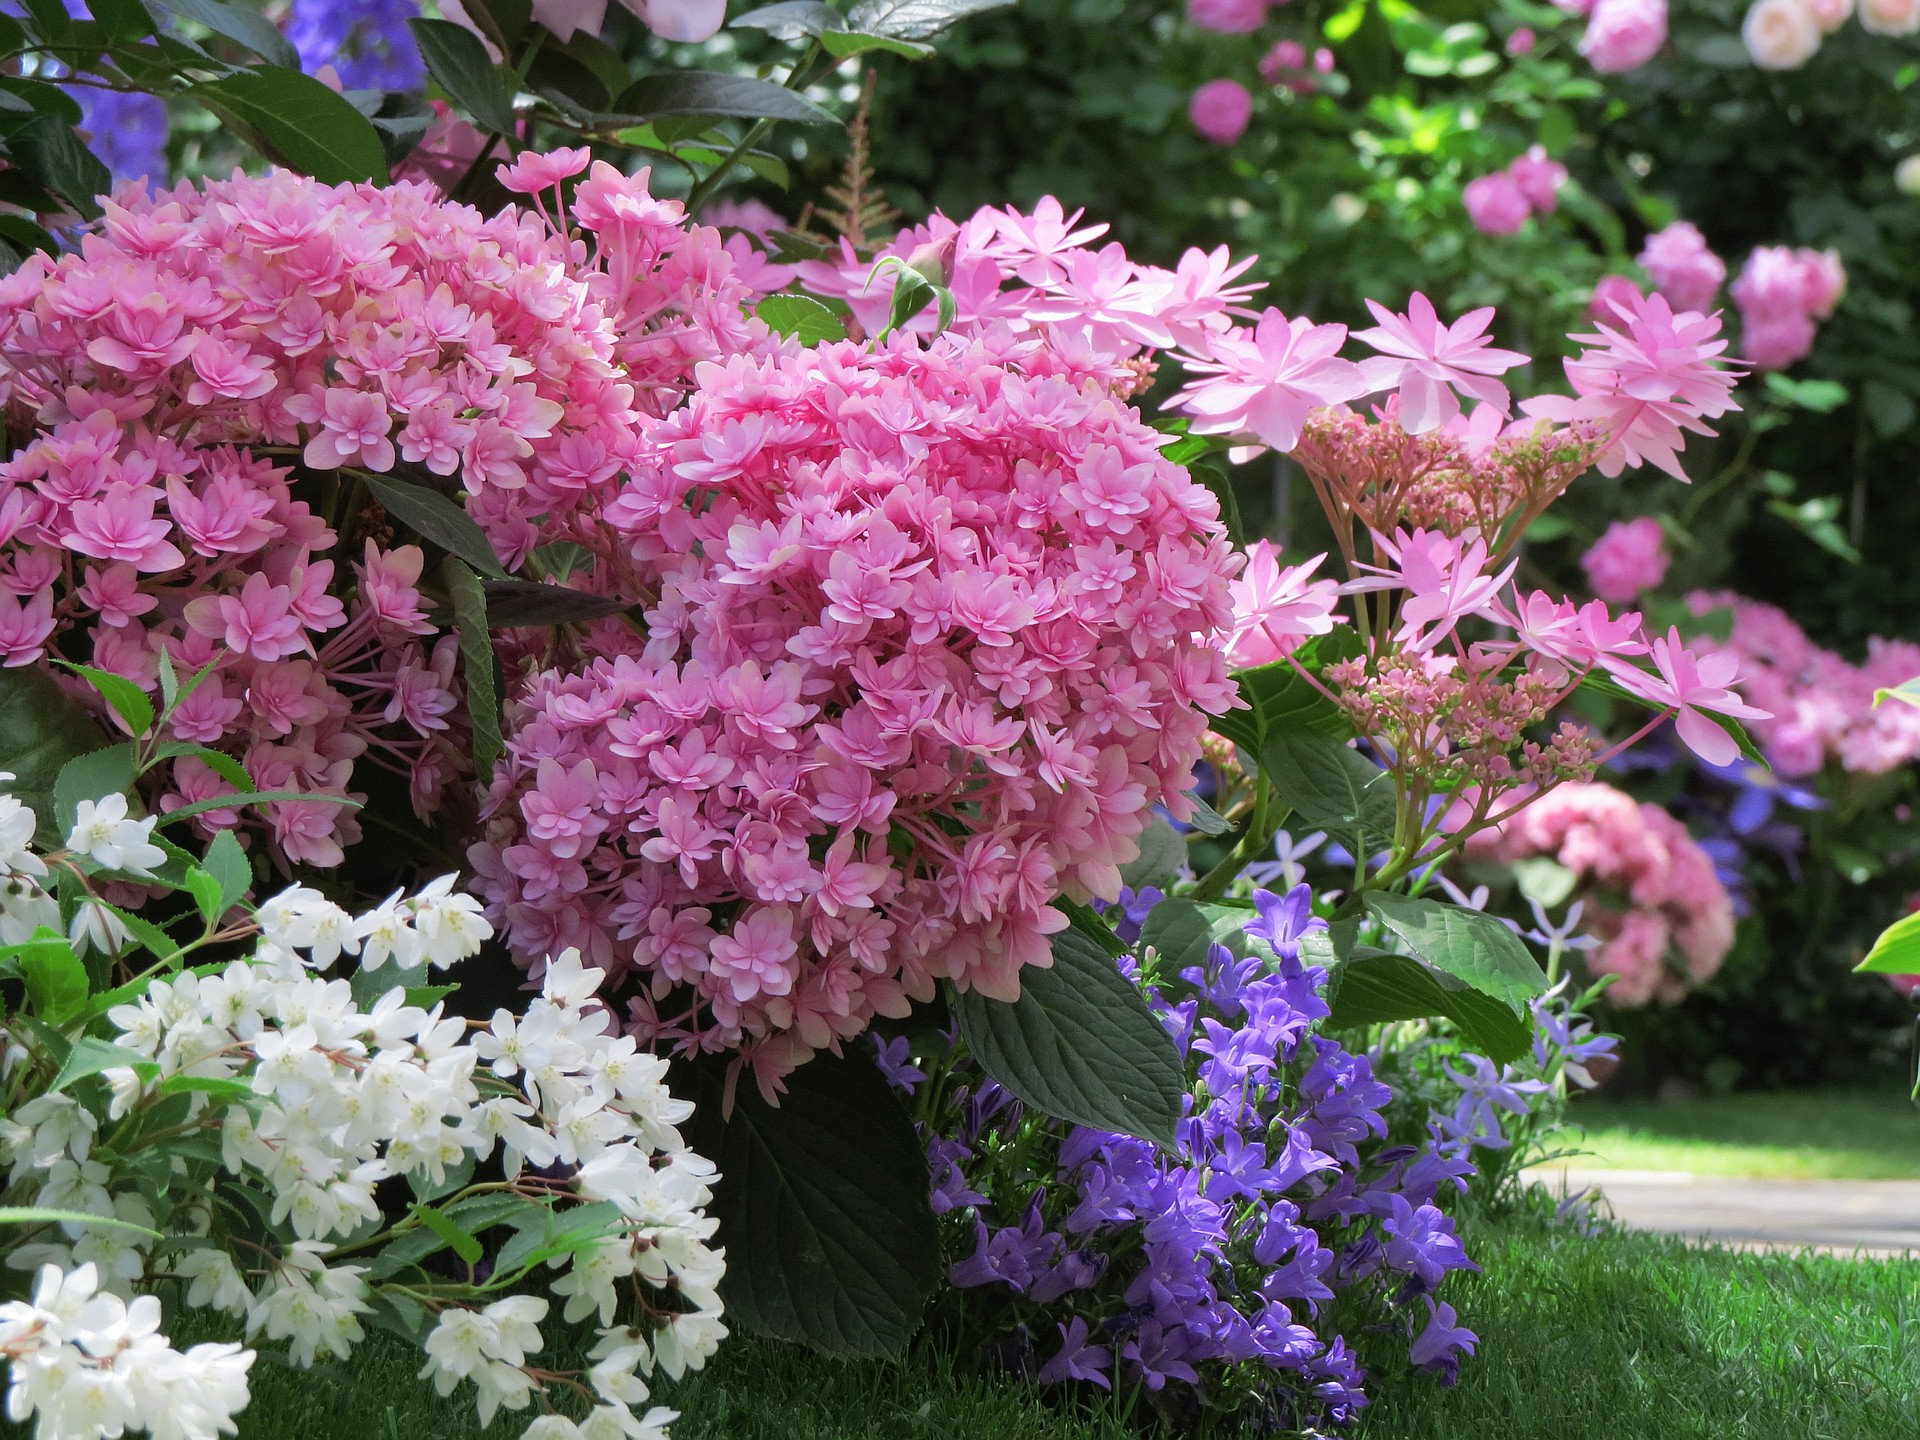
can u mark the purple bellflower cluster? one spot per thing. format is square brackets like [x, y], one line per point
[367, 42]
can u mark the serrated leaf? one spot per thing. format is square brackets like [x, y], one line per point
[1181, 931]
[802, 317]
[252, 797]
[93, 776]
[476, 663]
[90, 1056]
[458, 60]
[1376, 988]
[228, 864]
[221, 763]
[1897, 951]
[245, 27]
[434, 517]
[1080, 1044]
[1163, 855]
[42, 729]
[1220, 484]
[205, 891]
[1330, 786]
[703, 92]
[515, 603]
[823, 1207]
[1469, 945]
[790, 20]
[915, 19]
[296, 121]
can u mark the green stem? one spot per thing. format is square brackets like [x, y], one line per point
[801, 76]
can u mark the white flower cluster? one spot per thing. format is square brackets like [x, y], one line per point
[315, 1102]
[84, 1363]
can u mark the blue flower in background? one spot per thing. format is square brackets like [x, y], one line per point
[366, 41]
[1760, 791]
[127, 132]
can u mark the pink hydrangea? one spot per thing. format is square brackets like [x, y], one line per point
[1662, 914]
[1221, 110]
[1276, 608]
[1623, 35]
[1496, 204]
[1682, 267]
[1627, 561]
[927, 632]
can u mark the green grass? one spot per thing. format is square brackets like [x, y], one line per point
[1802, 1135]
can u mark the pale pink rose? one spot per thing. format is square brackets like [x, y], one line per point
[1823, 280]
[1829, 15]
[1539, 179]
[1780, 34]
[687, 21]
[1612, 290]
[1228, 17]
[1773, 342]
[1496, 204]
[1520, 42]
[1890, 17]
[1623, 35]
[1682, 267]
[1627, 561]
[1221, 109]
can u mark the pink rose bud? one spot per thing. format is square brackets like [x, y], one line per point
[1520, 42]
[1285, 56]
[1890, 17]
[934, 260]
[1220, 110]
[1495, 204]
[1630, 559]
[1830, 15]
[1623, 35]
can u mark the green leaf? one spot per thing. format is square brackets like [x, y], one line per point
[228, 864]
[24, 235]
[823, 1207]
[35, 1215]
[514, 603]
[914, 19]
[122, 21]
[1374, 988]
[432, 516]
[1897, 951]
[1206, 819]
[90, 1056]
[479, 1213]
[218, 1087]
[457, 59]
[552, 1233]
[1163, 854]
[42, 728]
[1544, 880]
[790, 20]
[1330, 786]
[504, 22]
[702, 92]
[1277, 696]
[56, 980]
[92, 776]
[51, 154]
[1907, 692]
[844, 44]
[1080, 1044]
[218, 761]
[1181, 931]
[802, 317]
[1467, 944]
[1088, 922]
[244, 27]
[205, 891]
[1221, 484]
[126, 699]
[476, 660]
[463, 1243]
[252, 797]
[1820, 396]
[147, 934]
[296, 121]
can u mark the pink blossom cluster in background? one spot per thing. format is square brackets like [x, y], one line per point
[1621, 35]
[205, 340]
[1781, 292]
[1822, 707]
[1286, 66]
[1627, 561]
[929, 633]
[1221, 110]
[1664, 920]
[1229, 17]
[1499, 204]
[1682, 268]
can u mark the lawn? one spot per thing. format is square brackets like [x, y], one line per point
[1623, 1336]
[1798, 1135]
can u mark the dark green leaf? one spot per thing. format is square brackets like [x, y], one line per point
[92, 776]
[25, 236]
[914, 19]
[822, 1205]
[1467, 944]
[1330, 786]
[42, 728]
[843, 44]
[126, 699]
[245, 27]
[1163, 854]
[476, 660]
[434, 517]
[296, 121]
[252, 797]
[1221, 484]
[51, 20]
[218, 761]
[480, 1213]
[701, 92]
[228, 864]
[56, 980]
[504, 21]
[147, 934]
[457, 59]
[559, 76]
[1088, 922]
[802, 317]
[790, 20]
[1180, 931]
[122, 21]
[1079, 1044]
[52, 155]
[514, 603]
[1374, 988]
[218, 1087]
[90, 1056]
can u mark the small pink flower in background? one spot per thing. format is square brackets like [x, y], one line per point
[1623, 35]
[755, 217]
[1221, 110]
[1276, 608]
[1521, 42]
[1428, 361]
[1780, 34]
[1773, 342]
[1823, 280]
[1780, 293]
[1628, 560]
[1890, 17]
[1830, 15]
[1264, 381]
[1323, 61]
[533, 171]
[1285, 55]
[1682, 267]
[1228, 17]
[1610, 294]
[1539, 179]
[687, 21]
[1496, 204]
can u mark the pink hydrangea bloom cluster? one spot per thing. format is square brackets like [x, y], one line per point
[1628, 560]
[1500, 203]
[210, 348]
[928, 632]
[1781, 293]
[1664, 919]
[1822, 706]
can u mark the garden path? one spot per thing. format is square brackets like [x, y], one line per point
[1840, 1217]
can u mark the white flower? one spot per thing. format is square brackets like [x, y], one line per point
[1780, 34]
[1906, 175]
[106, 835]
[17, 825]
[1890, 17]
[215, 1282]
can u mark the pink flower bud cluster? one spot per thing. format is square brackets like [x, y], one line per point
[1781, 292]
[210, 348]
[1664, 919]
[928, 632]
[1499, 204]
[1822, 706]
[1628, 560]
